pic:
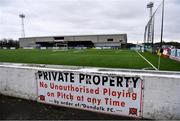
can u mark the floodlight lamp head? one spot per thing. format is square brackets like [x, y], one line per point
[21, 15]
[150, 5]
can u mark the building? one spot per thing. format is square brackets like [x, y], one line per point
[106, 40]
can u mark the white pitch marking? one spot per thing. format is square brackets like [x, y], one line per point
[147, 61]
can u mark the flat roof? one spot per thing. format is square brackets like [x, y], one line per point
[74, 35]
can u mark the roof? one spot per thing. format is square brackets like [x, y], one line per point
[75, 35]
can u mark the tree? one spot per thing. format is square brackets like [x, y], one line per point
[9, 43]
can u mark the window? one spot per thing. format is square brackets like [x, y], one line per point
[110, 39]
[58, 38]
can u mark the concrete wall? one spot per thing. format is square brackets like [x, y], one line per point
[24, 42]
[27, 42]
[107, 44]
[161, 93]
[162, 97]
[69, 38]
[18, 82]
[86, 38]
[44, 39]
[116, 38]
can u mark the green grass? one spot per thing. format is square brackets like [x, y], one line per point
[165, 63]
[94, 58]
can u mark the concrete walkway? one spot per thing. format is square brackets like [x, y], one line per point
[19, 109]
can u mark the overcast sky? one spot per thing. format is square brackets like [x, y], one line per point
[74, 17]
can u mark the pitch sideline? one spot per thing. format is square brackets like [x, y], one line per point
[147, 61]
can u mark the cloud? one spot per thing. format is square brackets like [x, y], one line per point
[59, 17]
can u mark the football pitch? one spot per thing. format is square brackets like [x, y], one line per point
[91, 57]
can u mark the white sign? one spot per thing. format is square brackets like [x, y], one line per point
[112, 94]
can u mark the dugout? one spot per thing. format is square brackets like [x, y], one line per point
[80, 44]
[51, 44]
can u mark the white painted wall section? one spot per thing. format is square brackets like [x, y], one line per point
[18, 82]
[161, 98]
[161, 93]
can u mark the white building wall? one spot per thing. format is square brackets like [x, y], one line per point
[96, 39]
[161, 98]
[86, 38]
[18, 82]
[44, 39]
[27, 42]
[116, 38]
[107, 44]
[69, 38]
